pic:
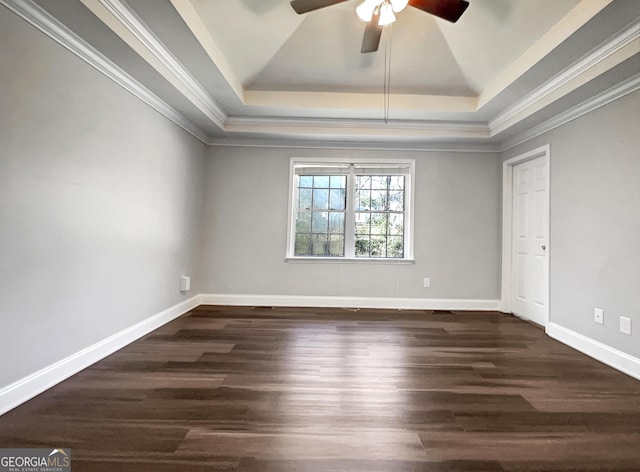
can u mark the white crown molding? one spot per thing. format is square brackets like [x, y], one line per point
[356, 130]
[369, 145]
[614, 93]
[172, 67]
[250, 121]
[350, 302]
[628, 38]
[606, 354]
[360, 101]
[28, 387]
[38, 17]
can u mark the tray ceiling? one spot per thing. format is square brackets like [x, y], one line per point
[243, 69]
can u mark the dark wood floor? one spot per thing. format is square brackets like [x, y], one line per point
[329, 390]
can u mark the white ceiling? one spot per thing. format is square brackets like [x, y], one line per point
[244, 69]
[274, 49]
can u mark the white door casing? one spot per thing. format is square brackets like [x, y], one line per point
[528, 250]
[525, 252]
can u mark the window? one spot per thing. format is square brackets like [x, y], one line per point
[350, 210]
[379, 209]
[321, 209]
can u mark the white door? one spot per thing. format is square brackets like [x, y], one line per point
[529, 273]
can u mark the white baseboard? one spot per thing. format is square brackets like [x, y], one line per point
[24, 389]
[607, 355]
[350, 302]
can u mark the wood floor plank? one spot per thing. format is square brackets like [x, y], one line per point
[357, 444]
[248, 389]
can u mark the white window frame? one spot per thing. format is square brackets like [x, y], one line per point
[350, 213]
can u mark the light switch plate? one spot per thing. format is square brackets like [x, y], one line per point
[185, 283]
[427, 282]
[625, 325]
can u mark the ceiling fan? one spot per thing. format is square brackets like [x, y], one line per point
[378, 13]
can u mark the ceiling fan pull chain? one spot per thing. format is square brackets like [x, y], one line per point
[387, 73]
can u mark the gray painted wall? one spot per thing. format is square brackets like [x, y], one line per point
[595, 221]
[457, 228]
[99, 202]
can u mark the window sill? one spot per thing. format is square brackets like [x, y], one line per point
[347, 260]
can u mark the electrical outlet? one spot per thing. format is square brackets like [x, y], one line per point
[598, 315]
[427, 282]
[625, 325]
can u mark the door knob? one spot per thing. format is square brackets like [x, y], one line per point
[544, 248]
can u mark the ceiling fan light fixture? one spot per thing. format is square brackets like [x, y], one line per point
[365, 9]
[399, 5]
[386, 15]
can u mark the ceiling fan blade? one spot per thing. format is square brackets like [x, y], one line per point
[372, 35]
[305, 6]
[450, 10]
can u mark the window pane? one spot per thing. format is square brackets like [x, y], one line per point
[338, 181]
[380, 181]
[378, 200]
[397, 182]
[302, 245]
[378, 246]
[320, 222]
[337, 200]
[396, 224]
[320, 199]
[362, 246]
[396, 201]
[319, 245]
[336, 245]
[305, 181]
[304, 200]
[303, 222]
[363, 200]
[336, 222]
[362, 223]
[321, 181]
[363, 182]
[378, 223]
[395, 246]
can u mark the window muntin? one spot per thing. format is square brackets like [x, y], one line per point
[351, 211]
